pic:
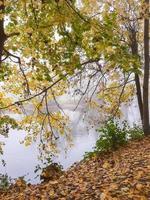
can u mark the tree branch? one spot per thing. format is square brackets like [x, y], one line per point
[36, 95]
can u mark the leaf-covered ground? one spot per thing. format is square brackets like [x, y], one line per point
[120, 175]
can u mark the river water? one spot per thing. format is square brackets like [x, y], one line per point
[21, 160]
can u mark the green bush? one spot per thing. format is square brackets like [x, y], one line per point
[135, 132]
[5, 181]
[113, 135]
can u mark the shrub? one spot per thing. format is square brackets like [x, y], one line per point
[135, 132]
[5, 181]
[112, 136]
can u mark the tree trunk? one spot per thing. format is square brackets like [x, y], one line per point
[139, 95]
[2, 33]
[134, 48]
[146, 125]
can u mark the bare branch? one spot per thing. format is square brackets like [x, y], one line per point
[58, 105]
[121, 93]
[98, 82]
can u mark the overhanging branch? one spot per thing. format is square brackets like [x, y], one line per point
[36, 95]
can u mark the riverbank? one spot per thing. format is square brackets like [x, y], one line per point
[120, 175]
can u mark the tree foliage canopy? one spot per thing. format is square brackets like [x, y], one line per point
[44, 43]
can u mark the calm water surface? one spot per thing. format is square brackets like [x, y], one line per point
[22, 160]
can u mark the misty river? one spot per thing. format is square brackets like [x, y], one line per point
[21, 160]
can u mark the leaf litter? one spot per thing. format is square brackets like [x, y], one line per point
[120, 175]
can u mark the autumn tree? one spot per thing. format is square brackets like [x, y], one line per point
[146, 122]
[44, 44]
[133, 16]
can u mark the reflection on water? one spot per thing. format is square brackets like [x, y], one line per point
[19, 160]
[22, 160]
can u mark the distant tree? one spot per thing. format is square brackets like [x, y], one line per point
[146, 122]
[133, 16]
